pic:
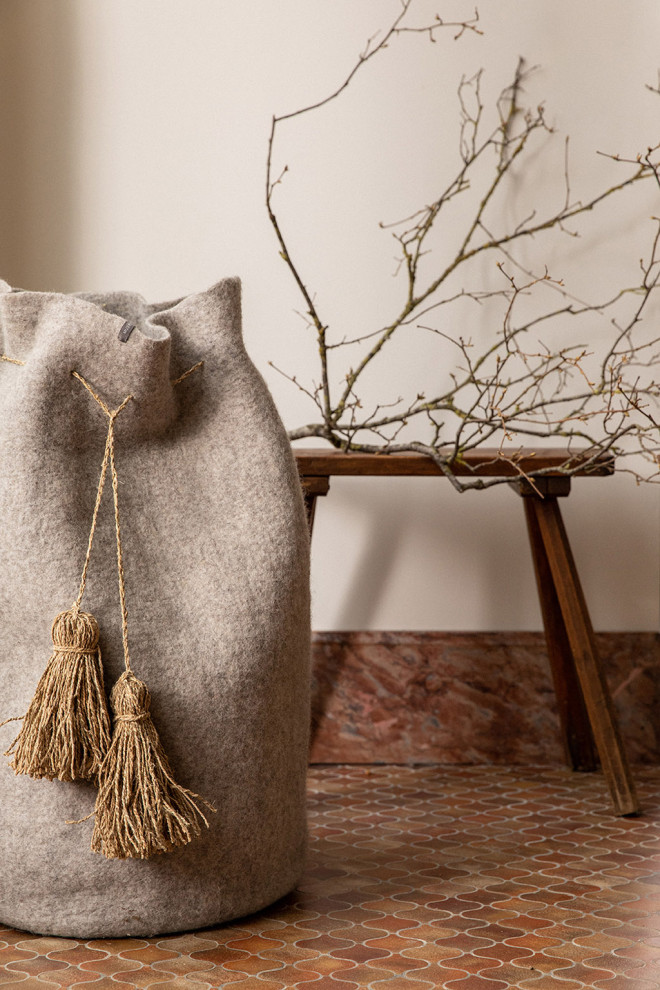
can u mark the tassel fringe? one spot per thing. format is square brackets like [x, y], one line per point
[140, 809]
[66, 730]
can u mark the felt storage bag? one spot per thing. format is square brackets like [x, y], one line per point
[165, 791]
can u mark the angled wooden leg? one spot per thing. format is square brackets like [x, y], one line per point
[576, 732]
[580, 635]
[313, 486]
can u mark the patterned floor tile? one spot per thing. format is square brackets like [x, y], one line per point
[30, 983]
[109, 966]
[106, 984]
[32, 967]
[464, 878]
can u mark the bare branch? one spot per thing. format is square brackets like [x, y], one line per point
[517, 385]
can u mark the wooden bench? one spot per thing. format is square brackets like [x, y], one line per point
[588, 722]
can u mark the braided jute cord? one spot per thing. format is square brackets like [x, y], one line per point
[108, 458]
[181, 378]
[174, 381]
[140, 809]
[66, 731]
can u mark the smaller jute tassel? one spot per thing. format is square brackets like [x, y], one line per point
[140, 809]
[66, 729]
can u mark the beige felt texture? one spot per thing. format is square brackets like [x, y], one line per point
[216, 557]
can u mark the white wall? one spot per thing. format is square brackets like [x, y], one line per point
[132, 155]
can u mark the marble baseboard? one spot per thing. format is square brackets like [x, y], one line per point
[436, 697]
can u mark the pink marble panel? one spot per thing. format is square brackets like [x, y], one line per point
[427, 697]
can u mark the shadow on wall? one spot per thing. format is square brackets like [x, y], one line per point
[37, 64]
[472, 549]
[383, 524]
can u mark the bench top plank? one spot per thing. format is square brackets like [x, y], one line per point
[484, 462]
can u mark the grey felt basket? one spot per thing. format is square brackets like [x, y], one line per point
[216, 562]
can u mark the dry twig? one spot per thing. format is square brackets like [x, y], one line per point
[517, 388]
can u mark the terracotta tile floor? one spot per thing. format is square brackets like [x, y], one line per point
[471, 878]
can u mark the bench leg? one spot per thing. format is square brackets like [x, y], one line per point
[577, 737]
[548, 527]
[312, 487]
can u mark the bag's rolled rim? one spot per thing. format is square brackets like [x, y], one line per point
[145, 316]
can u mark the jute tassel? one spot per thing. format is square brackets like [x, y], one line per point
[66, 729]
[140, 809]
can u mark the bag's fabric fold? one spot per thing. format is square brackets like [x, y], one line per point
[216, 553]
